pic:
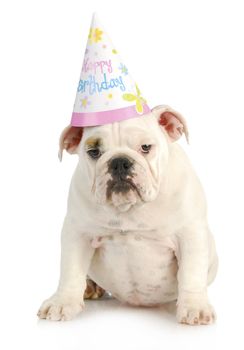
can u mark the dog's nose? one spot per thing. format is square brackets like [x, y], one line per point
[120, 166]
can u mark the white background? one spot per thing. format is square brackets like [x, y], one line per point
[188, 54]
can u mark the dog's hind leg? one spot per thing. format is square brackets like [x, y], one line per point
[93, 291]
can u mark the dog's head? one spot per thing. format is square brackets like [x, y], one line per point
[123, 162]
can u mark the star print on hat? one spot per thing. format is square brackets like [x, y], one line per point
[106, 92]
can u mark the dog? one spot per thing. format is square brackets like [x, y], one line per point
[136, 220]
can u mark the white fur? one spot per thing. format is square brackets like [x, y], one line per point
[145, 250]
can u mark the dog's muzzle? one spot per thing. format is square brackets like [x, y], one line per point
[120, 169]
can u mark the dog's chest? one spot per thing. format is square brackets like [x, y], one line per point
[135, 268]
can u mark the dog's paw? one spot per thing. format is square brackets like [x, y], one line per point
[195, 314]
[59, 308]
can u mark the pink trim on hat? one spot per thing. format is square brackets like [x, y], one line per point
[106, 117]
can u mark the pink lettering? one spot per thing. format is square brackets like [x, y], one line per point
[97, 66]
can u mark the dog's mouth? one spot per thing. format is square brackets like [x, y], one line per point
[122, 194]
[122, 186]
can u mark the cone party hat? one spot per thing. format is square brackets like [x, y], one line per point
[106, 92]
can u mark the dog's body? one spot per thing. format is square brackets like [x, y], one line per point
[136, 221]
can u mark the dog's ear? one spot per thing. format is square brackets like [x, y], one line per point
[172, 121]
[69, 139]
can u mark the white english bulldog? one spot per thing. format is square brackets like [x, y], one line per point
[136, 220]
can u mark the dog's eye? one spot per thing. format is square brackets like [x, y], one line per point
[94, 153]
[145, 148]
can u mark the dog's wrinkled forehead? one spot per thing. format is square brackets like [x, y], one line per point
[123, 133]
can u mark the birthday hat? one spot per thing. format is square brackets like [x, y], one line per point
[106, 92]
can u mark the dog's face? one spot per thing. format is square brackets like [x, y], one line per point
[124, 161]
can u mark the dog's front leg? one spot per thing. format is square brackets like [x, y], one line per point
[76, 256]
[193, 306]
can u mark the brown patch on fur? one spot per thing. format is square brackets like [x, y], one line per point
[93, 142]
